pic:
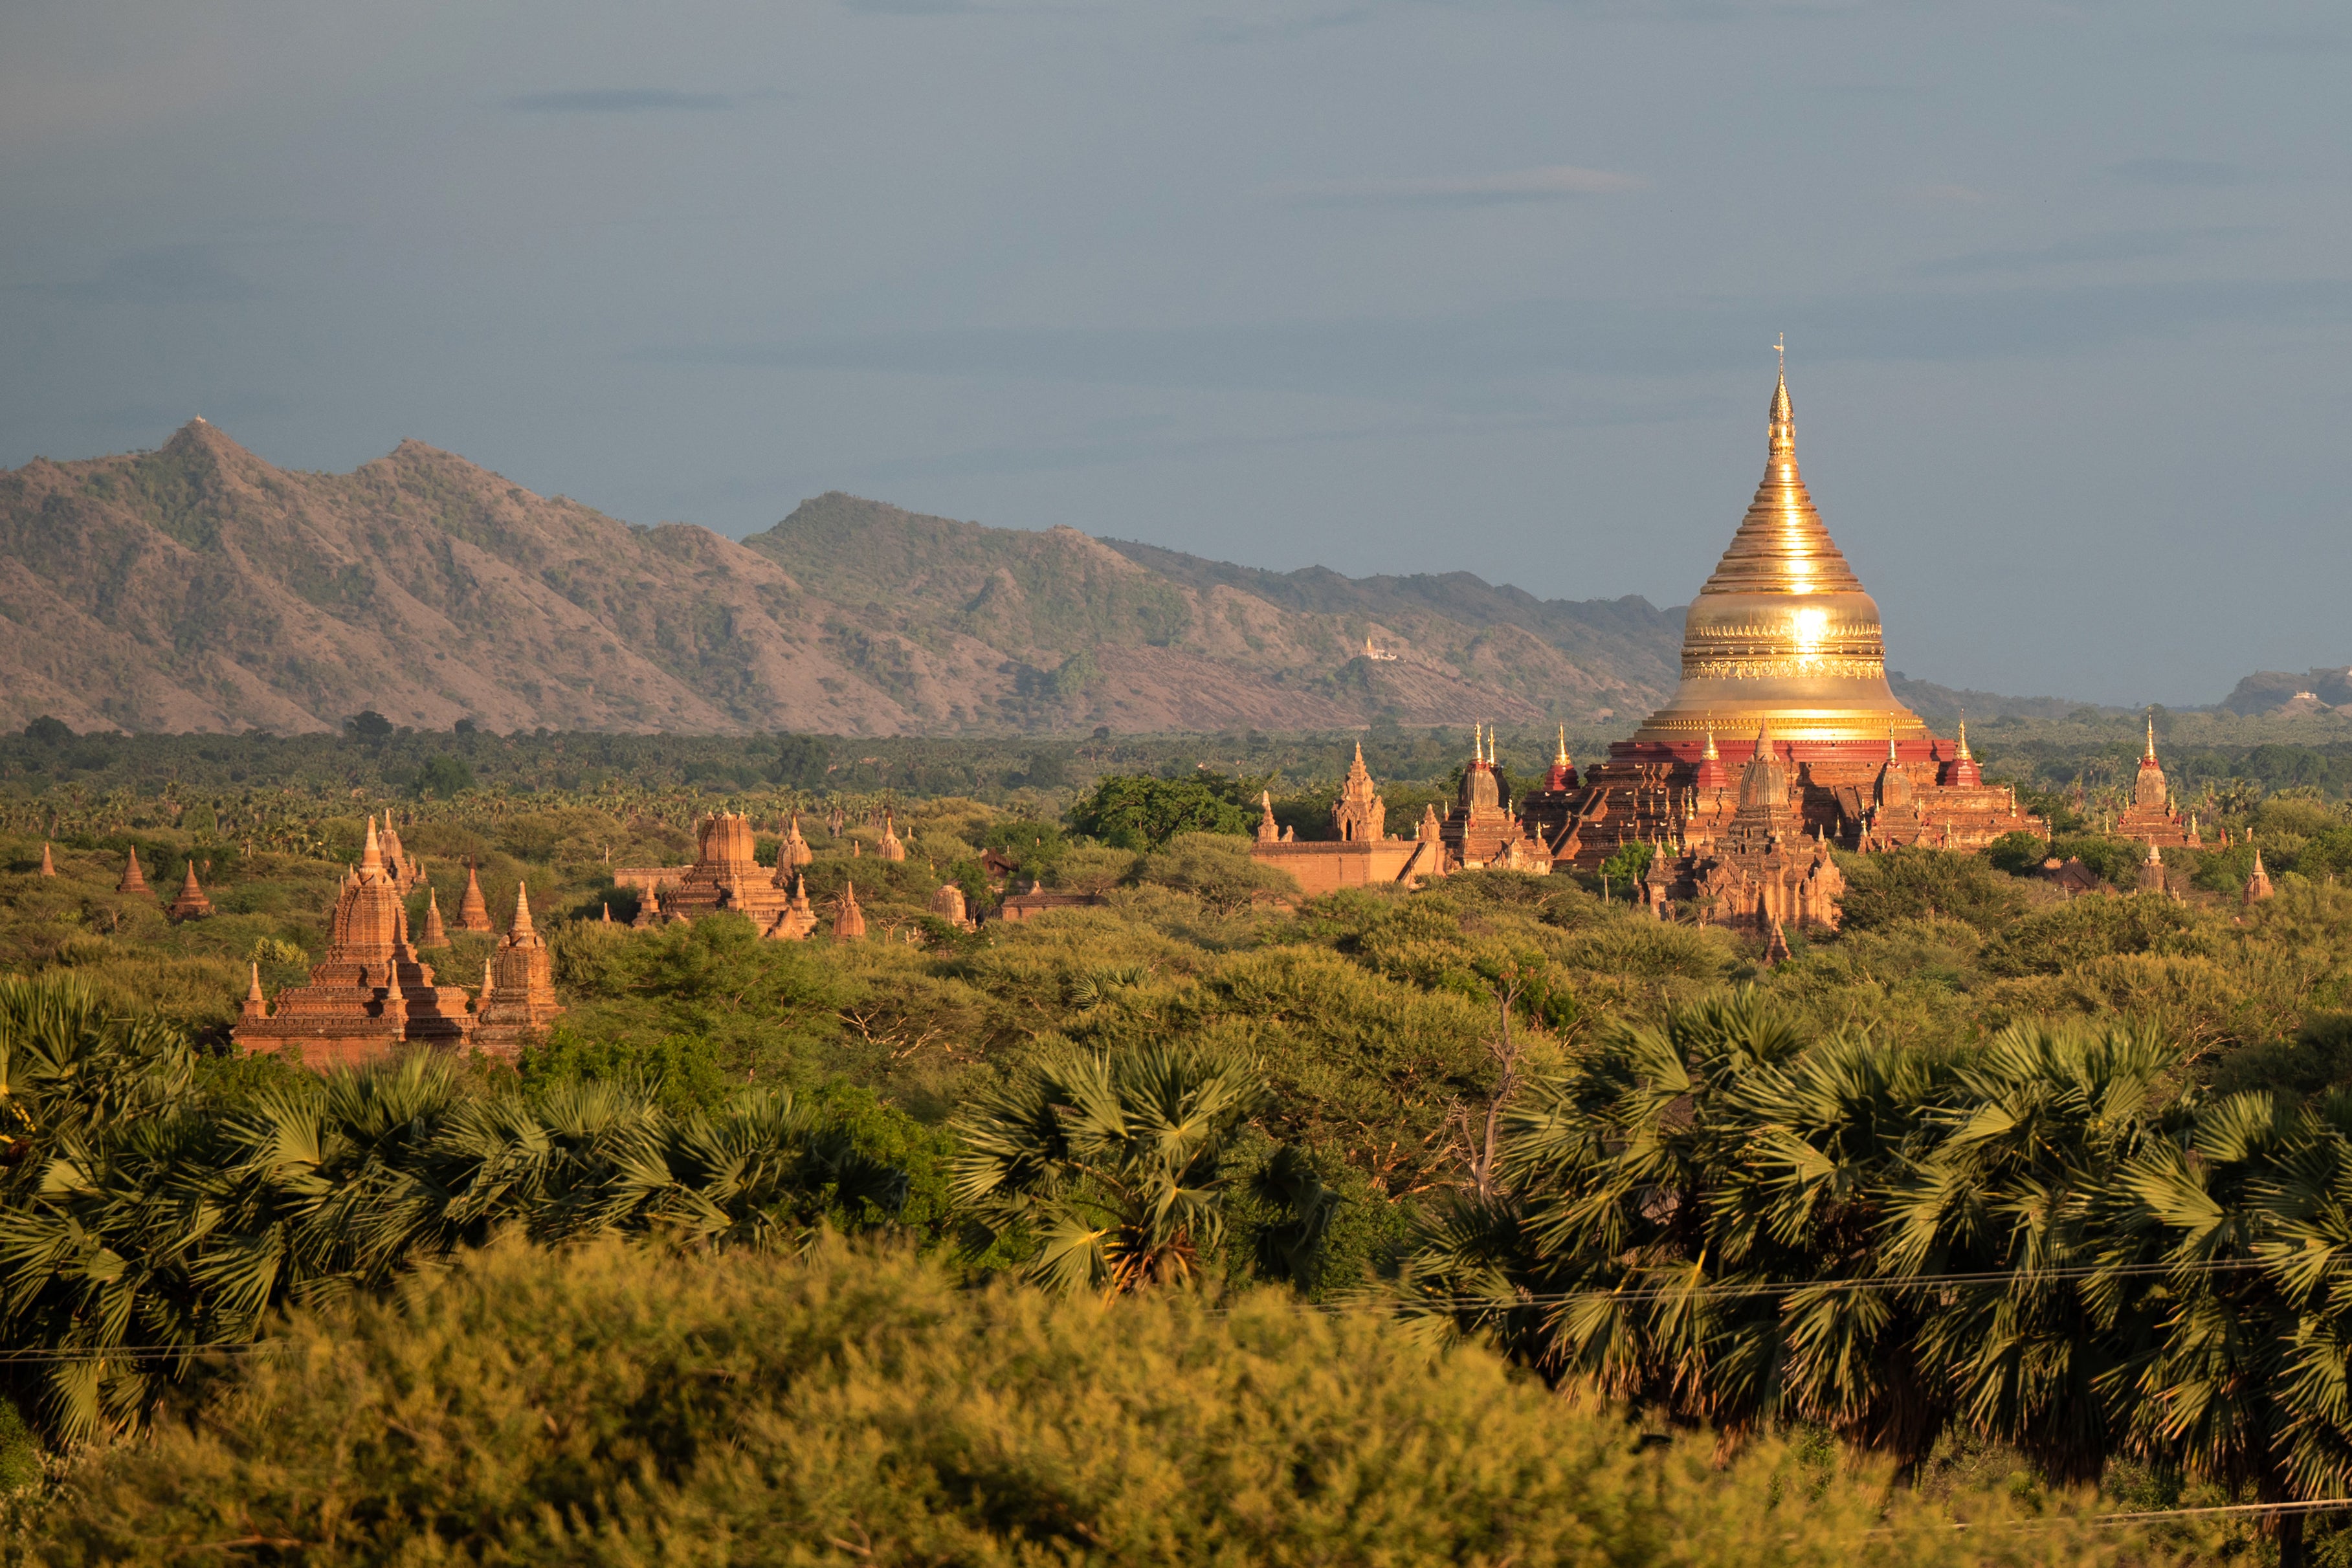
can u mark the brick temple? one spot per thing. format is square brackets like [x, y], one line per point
[370, 994]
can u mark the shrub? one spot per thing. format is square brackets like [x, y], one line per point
[594, 1406]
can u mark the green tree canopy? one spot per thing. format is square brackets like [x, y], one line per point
[1136, 812]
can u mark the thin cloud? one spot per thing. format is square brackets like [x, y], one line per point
[615, 100]
[2136, 246]
[1420, 358]
[1554, 182]
[1965, 195]
[163, 274]
[2189, 172]
[910, 7]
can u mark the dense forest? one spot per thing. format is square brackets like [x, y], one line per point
[1492, 1222]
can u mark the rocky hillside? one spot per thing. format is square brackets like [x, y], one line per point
[2275, 692]
[199, 588]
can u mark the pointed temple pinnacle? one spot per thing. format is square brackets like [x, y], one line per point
[522, 909]
[1784, 420]
[1964, 742]
[1561, 757]
[2150, 755]
[253, 991]
[1711, 751]
[371, 857]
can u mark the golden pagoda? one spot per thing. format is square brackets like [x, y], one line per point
[1783, 632]
[1782, 641]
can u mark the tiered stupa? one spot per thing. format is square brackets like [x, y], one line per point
[1481, 831]
[369, 996]
[1359, 814]
[2150, 817]
[407, 869]
[519, 999]
[190, 904]
[726, 874]
[133, 882]
[1782, 635]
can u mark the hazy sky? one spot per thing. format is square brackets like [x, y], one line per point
[1402, 286]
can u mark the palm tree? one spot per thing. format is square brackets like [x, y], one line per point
[1107, 1162]
[153, 1239]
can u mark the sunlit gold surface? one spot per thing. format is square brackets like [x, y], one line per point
[1784, 630]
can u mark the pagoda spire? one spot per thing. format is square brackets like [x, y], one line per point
[521, 926]
[1964, 756]
[372, 856]
[1559, 758]
[2150, 755]
[48, 865]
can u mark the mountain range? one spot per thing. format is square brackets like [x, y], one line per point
[197, 587]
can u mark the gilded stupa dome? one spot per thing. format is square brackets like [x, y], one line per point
[1783, 633]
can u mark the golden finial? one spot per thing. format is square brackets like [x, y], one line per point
[1784, 416]
[2150, 755]
[1711, 752]
[1891, 757]
[1964, 741]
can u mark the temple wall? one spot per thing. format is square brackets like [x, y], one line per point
[1323, 868]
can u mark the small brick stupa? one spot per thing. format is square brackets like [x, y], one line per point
[794, 851]
[48, 865]
[797, 918]
[369, 996]
[473, 910]
[849, 921]
[948, 904]
[2258, 882]
[436, 934]
[192, 903]
[133, 882]
[519, 1000]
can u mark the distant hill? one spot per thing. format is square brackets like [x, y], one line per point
[199, 588]
[2277, 692]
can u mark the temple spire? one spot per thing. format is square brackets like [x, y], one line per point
[1964, 756]
[371, 857]
[1560, 758]
[1784, 420]
[2150, 755]
[521, 926]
